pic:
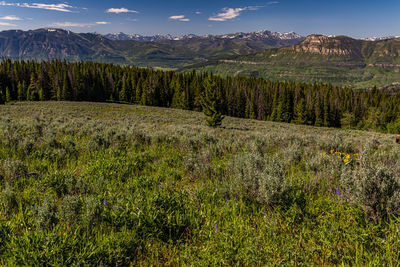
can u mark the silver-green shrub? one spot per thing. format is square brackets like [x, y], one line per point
[45, 214]
[12, 170]
[374, 187]
[91, 211]
[262, 179]
[70, 209]
[8, 198]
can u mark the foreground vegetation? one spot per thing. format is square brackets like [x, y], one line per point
[108, 184]
[301, 103]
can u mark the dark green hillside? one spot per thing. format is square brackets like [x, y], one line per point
[339, 60]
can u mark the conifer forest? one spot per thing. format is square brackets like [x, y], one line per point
[314, 104]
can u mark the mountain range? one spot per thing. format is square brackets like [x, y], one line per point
[259, 35]
[153, 51]
[339, 60]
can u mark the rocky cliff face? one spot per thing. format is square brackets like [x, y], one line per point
[324, 45]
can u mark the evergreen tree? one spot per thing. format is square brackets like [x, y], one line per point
[210, 103]
[66, 93]
[319, 112]
[2, 100]
[300, 112]
[123, 93]
[21, 91]
[31, 92]
[8, 95]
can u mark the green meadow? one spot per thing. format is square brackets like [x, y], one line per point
[104, 184]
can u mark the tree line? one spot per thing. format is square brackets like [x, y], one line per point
[283, 101]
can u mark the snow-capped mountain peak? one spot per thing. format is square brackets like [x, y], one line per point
[263, 34]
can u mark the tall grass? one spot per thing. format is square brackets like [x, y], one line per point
[117, 185]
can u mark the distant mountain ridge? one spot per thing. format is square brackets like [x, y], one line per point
[155, 51]
[264, 34]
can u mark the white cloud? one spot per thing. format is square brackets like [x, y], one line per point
[231, 13]
[78, 25]
[179, 18]
[6, 24]
[120, 10]
[197, 12]
[273, 3]
[71, 24]
[10, 17]
[54, 7]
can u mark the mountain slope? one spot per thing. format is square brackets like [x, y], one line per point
[340, 60]
[52, 43]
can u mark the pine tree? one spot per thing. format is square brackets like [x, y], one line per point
[21, 91]
[123, 93]
[66, 93]
[319, 112]
[30, 94]
[41, 95]
[210, 103]
[2, 101]
[300, 112]
[8, 95]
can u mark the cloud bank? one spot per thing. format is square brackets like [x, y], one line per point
[54, 7]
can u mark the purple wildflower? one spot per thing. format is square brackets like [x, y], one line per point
[216, 227]
[338, 191]
[226, 201]
[105, 202]
[332, 229]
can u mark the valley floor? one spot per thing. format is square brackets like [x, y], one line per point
[108, 184]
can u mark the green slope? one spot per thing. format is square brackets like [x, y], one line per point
[338, 60]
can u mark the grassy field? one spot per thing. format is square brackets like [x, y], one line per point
[116, 185]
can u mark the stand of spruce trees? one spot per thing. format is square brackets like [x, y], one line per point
[296, 102]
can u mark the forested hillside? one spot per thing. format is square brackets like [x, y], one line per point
[297, 102]
[339, 60]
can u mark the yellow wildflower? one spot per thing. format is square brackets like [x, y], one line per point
[346, 160]
[347, 156]
[332, 151]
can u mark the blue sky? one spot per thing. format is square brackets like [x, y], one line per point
[357, 18]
